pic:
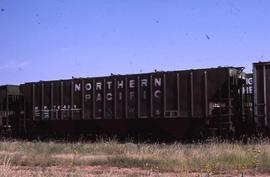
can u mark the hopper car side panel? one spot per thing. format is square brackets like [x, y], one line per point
[178, 103]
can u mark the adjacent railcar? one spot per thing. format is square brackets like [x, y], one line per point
[10, 109]
[178, 104]
[261, 79]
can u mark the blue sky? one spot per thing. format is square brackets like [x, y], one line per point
[58, 39]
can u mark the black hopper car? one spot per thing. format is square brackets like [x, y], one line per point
[188, 104]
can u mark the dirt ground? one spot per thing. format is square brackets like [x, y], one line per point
[101, 171]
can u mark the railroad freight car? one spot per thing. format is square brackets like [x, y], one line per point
[175, 104]
[261, 80]
[10, 109]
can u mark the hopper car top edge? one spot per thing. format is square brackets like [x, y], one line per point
[262, 63]
[138, 74]
[9, 85]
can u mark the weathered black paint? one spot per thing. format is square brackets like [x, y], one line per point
[160, 103]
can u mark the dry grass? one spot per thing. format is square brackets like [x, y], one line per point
[113, 158]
